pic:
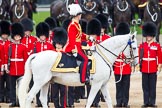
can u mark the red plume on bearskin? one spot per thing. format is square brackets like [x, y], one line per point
[42, 29]
[149, 29]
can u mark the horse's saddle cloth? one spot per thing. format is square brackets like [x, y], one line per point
[67, 63]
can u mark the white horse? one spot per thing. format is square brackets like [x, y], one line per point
[39, 66]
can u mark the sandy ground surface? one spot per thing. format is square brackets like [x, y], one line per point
[136, 94]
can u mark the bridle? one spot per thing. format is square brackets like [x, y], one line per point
[126, 60]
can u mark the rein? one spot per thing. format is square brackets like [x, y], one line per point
[125, 59]
[106, 61]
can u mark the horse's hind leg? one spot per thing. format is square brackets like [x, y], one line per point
[43, 95]
[106, 94]
[94, 90]
[32, 93]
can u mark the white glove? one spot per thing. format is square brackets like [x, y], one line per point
[91, 38]
[2, 68]
[158, 72]
[5, 67]
[75, 54]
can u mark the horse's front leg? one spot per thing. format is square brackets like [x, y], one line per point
[95, 87]
[106, 95]
[43, 95]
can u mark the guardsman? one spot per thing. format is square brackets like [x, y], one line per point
[4, 80]
[75, 36]
[52, 24]
[104, 26]
[59, 90]
[28, 39]
[17, 56]
[100, 38]
[94, 29]
[122, 71]
[42, 32]
[150, 61]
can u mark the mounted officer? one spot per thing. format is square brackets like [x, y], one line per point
[75, 37]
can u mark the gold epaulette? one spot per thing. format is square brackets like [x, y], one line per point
[142, 5]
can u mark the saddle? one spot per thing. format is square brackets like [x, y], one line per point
[66, 63]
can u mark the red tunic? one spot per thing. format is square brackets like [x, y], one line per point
[151, 58]
[29, 42]
[75, 36]
[120, 67]
[17, 59]
[42, 46]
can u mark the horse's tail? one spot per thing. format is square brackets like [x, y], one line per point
[24, 83]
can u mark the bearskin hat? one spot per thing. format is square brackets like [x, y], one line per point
[42, 29]
[60, 36]
[27, 24]
[66, 23]
[51, 22]
[94, 27]
[149, 29]
[5, 27]
[17, 29]
[122, 28]
[83, 24]
[103, 19]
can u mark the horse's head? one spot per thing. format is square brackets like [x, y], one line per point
[154, 3]
[20, 9]
[131, 49]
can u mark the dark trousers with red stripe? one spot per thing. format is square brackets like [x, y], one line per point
[83, 66]
[59, 95]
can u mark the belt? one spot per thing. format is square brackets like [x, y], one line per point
[149, 59]
[16, 59]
